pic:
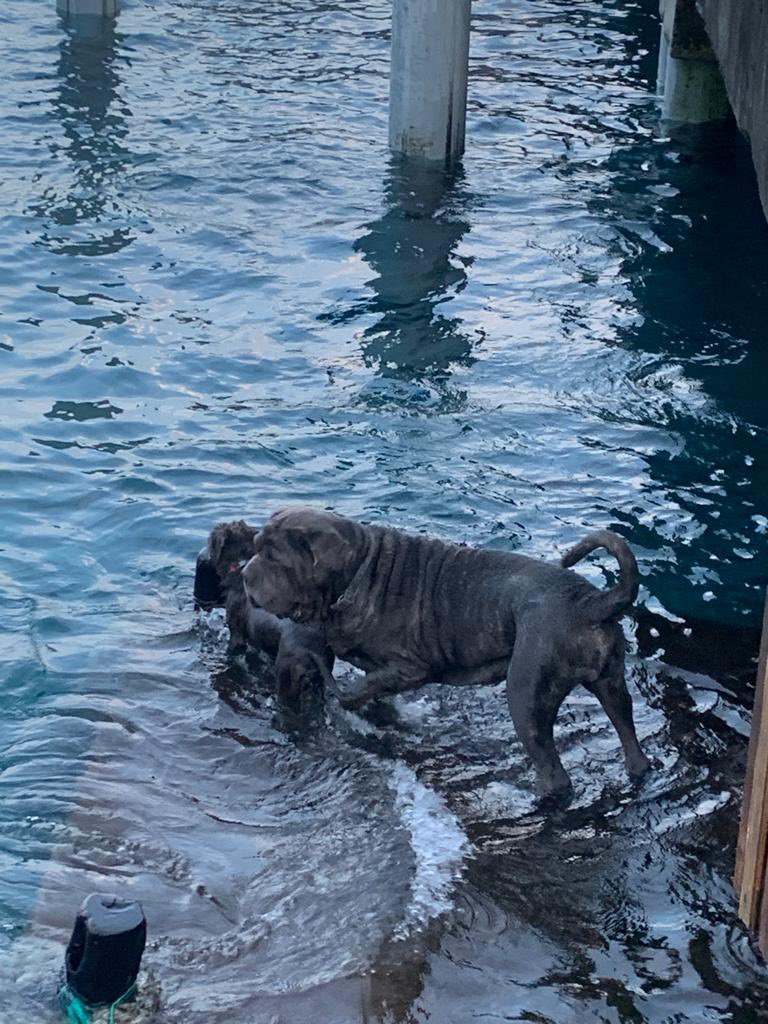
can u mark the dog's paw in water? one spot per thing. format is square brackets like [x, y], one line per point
[554, 798]
[350, 702]
[382, 713]
[638, 766]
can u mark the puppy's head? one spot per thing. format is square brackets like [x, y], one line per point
[229, 546]
[303, 560]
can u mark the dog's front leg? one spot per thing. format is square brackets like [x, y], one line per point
[383, 681]
[238, 636]
[379, 681]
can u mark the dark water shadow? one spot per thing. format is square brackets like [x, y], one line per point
[413, 251]
[703, 300]
[691, 242]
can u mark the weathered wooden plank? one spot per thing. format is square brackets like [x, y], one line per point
[757, 711]
[752, 849]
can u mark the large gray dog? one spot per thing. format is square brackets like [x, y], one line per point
[411, 610]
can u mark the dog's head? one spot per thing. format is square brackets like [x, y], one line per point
[229, 547]
[303, 559]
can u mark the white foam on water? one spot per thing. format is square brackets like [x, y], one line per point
[415, 712]
[439, 846]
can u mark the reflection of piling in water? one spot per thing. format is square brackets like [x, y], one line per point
[428, 78]
[93, 121]
[412, 249]
[88, 83]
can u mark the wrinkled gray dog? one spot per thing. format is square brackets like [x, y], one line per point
[409, 610]
[298, 650]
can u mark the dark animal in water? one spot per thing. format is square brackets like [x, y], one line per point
[409, 610]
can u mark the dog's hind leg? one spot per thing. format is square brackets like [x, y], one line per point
[611, 690]
[534, 700]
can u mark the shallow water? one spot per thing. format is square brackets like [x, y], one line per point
[219, 295]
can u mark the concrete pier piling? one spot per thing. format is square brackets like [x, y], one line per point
[714, 57]
[93, 8]
[739, 35]
[428, 78]
[690, 81]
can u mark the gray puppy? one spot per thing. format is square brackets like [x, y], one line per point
[409, 610]
[298, 650]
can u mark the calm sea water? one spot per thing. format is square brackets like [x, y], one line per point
[219, 295]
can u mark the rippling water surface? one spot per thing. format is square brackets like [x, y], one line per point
[219, 295]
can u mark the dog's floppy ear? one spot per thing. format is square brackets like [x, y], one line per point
[334, 544]
[327, 544]
[216, 542]
[231, 540]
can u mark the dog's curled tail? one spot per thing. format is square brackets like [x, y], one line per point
[607, 604]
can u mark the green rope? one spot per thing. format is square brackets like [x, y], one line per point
[123, 998]
[78, 1012]
[74, 1008]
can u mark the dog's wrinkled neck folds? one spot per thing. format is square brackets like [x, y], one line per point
[350, 578]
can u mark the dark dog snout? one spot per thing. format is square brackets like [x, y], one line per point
[208, 591]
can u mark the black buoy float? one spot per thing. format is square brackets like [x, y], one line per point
[104, 953]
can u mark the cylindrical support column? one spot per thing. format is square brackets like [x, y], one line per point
[94, 8]
[693, 91]
[690, 82]
[428, 78]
